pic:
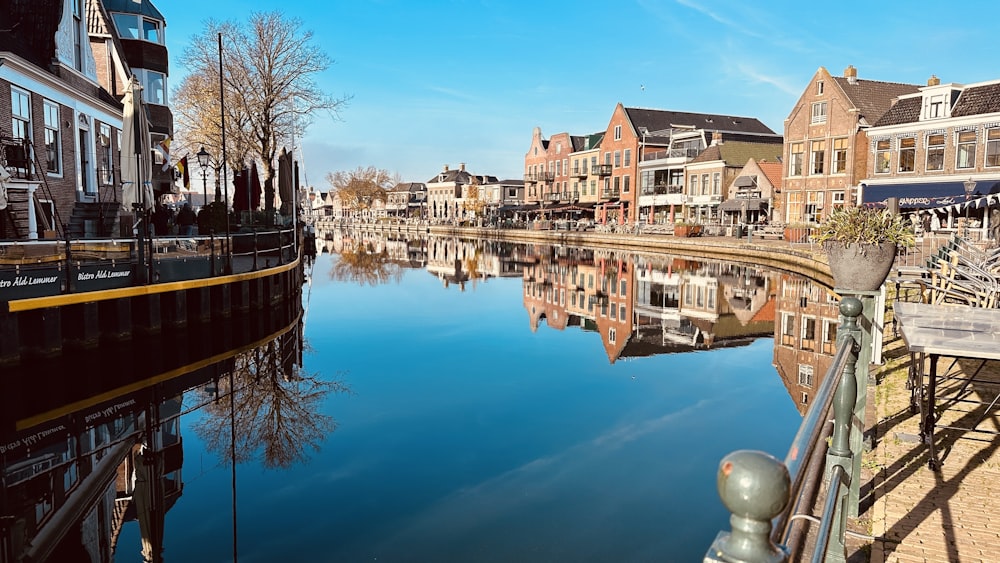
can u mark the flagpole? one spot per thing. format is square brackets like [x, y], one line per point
[225, 188]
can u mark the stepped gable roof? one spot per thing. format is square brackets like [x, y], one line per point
[737, 153]
[977, 100]
[658, 120]
[906, 110]
[142, 7]
[873, 97]
[29, 29]
[773, 170]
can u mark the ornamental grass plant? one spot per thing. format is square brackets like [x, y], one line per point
[866, 226]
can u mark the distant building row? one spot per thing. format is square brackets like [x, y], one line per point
[847, 141]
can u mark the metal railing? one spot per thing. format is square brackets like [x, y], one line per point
[43, 268]
[765, 495]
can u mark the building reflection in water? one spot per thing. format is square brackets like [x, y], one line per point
[103, 447]
[640, 304]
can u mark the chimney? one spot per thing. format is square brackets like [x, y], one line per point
[933, 81]
[716, 138]
[851, 74]
[461, 166]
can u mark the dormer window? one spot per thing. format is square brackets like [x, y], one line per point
[934, 106]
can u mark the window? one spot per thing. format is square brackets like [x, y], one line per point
[558, 148]
[818, 113]
[151, 30]
[105, 175]
[611, 335]
[155, 87]
[795, 159]
[127, 25]
[795, 202]
[618, 132]
[716, 183]
[693, 184]
[993, 147]
[805, 398]
[623, 286]
[935, 152]
[617, 181]
[882, 156]
[814, 205]
[558, 168]
[819, 87]
[618, 159]
[628, 157]
[907, 154]
[53, 149]
[934, 106]
[625, 184]
[965, 156]
[621, 312]
[20, 109]
[839, 156]
[837, 199]
[704, 184]
[808, 333]
[607, 158]
[817, 150]
[805, 375]
[78, 34]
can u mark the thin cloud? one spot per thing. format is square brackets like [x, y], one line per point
[759, 76]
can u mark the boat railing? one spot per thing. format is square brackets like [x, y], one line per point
[51, 267]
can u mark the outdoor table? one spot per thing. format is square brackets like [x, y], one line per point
[954, 331]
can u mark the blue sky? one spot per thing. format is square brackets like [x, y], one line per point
[444, 82]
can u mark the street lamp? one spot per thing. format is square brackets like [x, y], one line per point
[970, 186]
[203, 158]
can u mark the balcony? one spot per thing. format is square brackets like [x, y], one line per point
[610, 193]
[672, 153]
[579, 172]
[555, 196]
[601, 169]
[663, 189]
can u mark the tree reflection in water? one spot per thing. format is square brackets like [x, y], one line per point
[365, 265]
[276, 409]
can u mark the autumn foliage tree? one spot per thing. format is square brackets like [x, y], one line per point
[269, 71]
[358, 188]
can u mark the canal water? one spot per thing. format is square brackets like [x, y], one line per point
[434, 400]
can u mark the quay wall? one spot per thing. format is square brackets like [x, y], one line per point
[805, 259]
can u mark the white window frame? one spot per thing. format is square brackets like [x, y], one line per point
[806, 375]
[618, 132]
[911, 150]
[817, 157]
[992, 157]
[818, 113]
[966, 148]
[53, 155]
[835, 162]
[934, 151]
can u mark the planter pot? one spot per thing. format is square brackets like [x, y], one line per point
[859, 267]
[687, 230]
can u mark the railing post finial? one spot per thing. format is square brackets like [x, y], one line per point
[754, 486]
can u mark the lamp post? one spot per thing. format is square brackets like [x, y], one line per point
[203, 158]
[970, 186]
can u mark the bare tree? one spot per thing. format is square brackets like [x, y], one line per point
[269, 67]
[358, 188]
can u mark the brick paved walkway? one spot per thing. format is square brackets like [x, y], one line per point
[916, 514]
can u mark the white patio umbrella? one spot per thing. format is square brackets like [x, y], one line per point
[135, 151]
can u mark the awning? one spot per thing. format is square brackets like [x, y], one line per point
[752, 204]
[745, 182]
[924, 195]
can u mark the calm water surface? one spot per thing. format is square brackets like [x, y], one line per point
[464, 402]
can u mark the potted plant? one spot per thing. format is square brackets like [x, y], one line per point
[860, 244]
